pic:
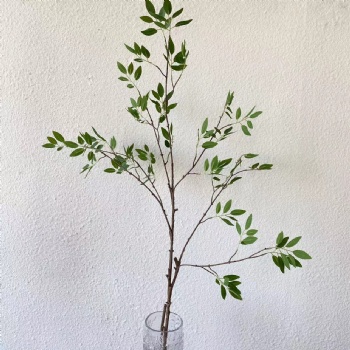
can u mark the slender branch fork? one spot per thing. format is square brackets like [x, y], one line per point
[154, 193]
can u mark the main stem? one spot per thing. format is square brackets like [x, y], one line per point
[171, 185]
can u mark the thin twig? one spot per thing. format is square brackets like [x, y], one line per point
[253, 256]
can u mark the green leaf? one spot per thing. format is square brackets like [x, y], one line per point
[177, 13]
[77, 152]
[238, 228]
[172, 106]
[49, 145]
[87, 138]
[209, 144]
[121, 68]
[238, 113]
[256, 114]
[150, 6]
[204, 126]
[160, 90]
[293, 242]
[149, 31]
[251, 232]
[145, 52]
[81, 140]
[130, 68]
[237, 212]
[71, 144]
[109, 170]
[167, 7]
[231, 277]
[58, 136]
[113, 143]
[130, 86]
[130, 49]
[227, 206]
[179, 67]
[279, 238]
[281, 264]
[180, 58]
[245, 130]
[218, 208]
[183, 23]
[52, 140]
[250, 155]
[301, 254]
[235, 295]
[138, 73]
[214, 163]
[206, 165]
[285, 261]
[91, 155]
[165, 134]
[283, 242]
[229, 99]
[225, 162]
[171, 46]
[249, 240]
[223, 292]
[265, 167]
[275, 260]
[169, 95]
[250, 124]
[235, 179]
[227, 222]
[291, 260]
[297, 263]
[146, 19]
[249, 221]
[97, 134]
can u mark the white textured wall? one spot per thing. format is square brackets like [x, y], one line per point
[84, 260]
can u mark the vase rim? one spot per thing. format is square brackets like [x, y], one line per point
[157, 330]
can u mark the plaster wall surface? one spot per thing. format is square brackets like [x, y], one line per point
[84, 260]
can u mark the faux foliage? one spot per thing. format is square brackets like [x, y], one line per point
[154, 109]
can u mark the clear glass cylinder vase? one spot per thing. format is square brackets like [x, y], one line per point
[153, 337]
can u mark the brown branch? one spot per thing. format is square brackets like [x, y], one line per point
[153, 64]
[253, 256]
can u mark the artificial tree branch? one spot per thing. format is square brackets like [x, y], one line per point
[161, 21]
[155, 195]
[197, 159]
[156, 133]
[253, 256]
[214, 197]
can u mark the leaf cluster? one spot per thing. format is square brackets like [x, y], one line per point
[229, 283]
[286, 258]
[162, 20]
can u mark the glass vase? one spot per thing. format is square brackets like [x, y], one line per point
[153, 337]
